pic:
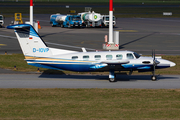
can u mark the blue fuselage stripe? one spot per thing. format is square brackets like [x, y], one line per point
[73, 65]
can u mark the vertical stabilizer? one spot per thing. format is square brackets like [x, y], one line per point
[30, 42]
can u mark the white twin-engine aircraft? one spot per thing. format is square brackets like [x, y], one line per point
[38, 54]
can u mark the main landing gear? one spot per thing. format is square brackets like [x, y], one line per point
[112, 76]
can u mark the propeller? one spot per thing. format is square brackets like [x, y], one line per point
[155, 62]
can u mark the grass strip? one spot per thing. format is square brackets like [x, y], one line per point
[9, 61]
[90, 104]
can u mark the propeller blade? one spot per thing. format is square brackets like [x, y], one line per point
[154, 54]
[155, 62]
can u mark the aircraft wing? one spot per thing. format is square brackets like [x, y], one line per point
[115, 62]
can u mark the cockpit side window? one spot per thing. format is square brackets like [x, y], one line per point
[130, 56]
[119, 56]
[137, 55]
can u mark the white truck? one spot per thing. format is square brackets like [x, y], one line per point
[1, 21]
[91, 19]
[105, 21]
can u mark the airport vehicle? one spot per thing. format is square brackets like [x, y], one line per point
[105, 20]
[91, 19]
[17, 19]
[1, 21]
[65, 20]
[38, 54]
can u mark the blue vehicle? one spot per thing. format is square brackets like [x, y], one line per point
[68, 21]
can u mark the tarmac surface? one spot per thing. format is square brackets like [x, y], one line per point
[87, 81]
[137, 34]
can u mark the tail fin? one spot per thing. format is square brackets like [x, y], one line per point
[32, 44]
[29, 40]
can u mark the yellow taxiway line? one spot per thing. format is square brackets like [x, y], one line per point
[3, 45]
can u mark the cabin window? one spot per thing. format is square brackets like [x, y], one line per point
[109, 57]
[74, 57]
[97, 57]
[85, 57]
[119, 57]
[130, 56]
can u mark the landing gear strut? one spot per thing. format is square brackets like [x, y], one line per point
[155, 62]
[153, 78]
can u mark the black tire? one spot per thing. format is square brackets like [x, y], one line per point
[69, 26]
[112, 79]
[53, 25]
[153, 78]
[62, 25]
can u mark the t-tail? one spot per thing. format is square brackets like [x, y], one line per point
[32, 44]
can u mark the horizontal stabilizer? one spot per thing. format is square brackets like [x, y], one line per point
[18, 26]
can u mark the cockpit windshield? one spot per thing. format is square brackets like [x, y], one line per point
[137, 55]
[76, 18]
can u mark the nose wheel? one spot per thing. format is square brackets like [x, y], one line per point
[153, 78]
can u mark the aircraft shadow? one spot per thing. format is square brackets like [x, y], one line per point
[105, 77]
[122, 46]
[55, 33]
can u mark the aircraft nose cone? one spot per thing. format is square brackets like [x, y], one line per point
[172, 64]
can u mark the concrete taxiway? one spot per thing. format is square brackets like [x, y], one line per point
[87, 81]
